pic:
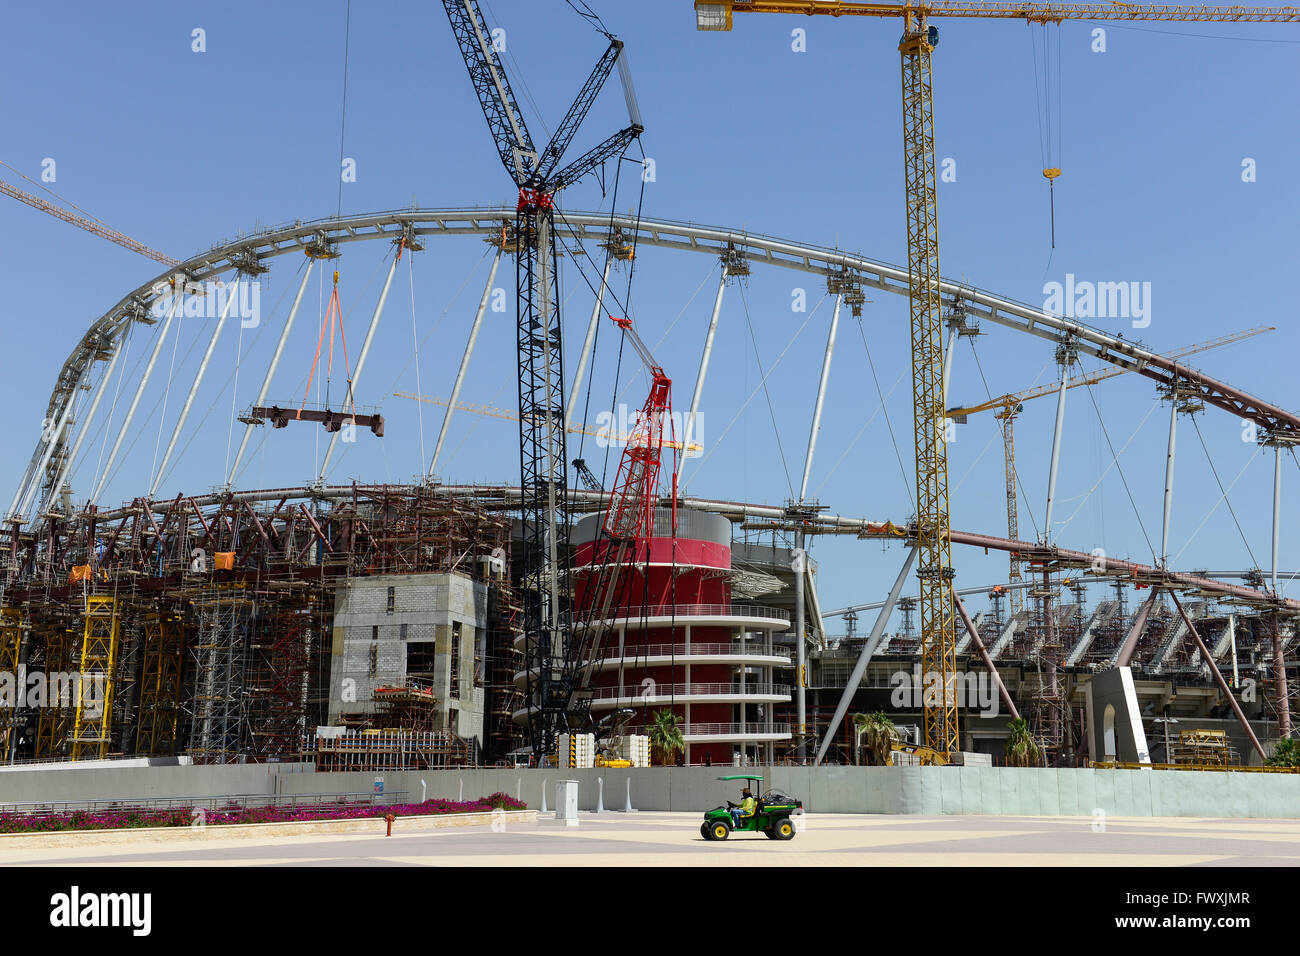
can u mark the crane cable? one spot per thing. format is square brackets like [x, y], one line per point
[415, 342]
[1043, 112]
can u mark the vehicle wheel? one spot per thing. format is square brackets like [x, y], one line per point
[784, 829]
[720, 830]
[706, 831]
[770, 833]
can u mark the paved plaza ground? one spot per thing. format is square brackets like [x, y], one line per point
[673, 839]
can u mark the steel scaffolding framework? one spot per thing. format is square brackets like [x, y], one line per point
[219, 726]
[160, 684]
[11, 644]
[97, 668]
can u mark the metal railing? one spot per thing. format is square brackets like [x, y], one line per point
[716, 650]
[692, 690]
[718, 730]
[635, 614]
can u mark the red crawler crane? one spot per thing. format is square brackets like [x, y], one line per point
[629, 515]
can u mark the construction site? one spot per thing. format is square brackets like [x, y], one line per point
[574, 614]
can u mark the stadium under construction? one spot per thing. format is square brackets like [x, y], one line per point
[367, 626]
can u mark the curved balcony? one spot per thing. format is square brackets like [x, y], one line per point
[608, 698]
[651, 693]
[701, 733]
[736, 654]
[667, 655]
[752, 617]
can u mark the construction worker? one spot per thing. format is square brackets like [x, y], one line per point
[746, 808]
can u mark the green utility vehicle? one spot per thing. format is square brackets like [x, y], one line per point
[771, 816]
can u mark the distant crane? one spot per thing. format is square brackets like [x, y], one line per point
[492, 411]
[1009, 406]
[542, 453]
[93, 226]
[933, 538]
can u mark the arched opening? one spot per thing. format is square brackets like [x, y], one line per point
[1108, 732]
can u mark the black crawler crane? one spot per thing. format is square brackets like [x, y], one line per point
[542, 453]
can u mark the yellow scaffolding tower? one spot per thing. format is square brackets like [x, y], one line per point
[160, 684]
[11, 643]
[94, 717]
[53, 720]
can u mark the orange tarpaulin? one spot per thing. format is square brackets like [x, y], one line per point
[224, 560]
[80, 572]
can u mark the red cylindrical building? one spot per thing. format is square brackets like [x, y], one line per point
[676, 640]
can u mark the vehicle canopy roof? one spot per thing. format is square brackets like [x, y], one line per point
[744, 776]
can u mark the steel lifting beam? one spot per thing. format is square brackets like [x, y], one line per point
[270, 371]
[361, 361]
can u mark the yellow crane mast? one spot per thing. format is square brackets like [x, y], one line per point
[934, 547]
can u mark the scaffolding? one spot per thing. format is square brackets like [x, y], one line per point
[375, 750]
[11, 645]
[283, 636]
[94, 716]
[54, 718]
[160, 684]
[219, 722]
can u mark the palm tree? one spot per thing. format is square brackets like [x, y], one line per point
[1022, 751]
[1286, 753]
[666, 736]
[878, 732]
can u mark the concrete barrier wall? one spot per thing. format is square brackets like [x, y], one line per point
[886, 790]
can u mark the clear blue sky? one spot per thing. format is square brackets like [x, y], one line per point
[182, 150]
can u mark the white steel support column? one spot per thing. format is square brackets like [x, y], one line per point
[868, 649]
[90, 417]
[270, 372]
[139, 390]
[52, 442]
[821, 397]
[1056, 452]
[588, 343]
[688, 430]
[464, 360]
[361, 360]
[947, 360]
[1169, 479]
[194, 390]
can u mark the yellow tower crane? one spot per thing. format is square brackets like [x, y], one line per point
[1009, 406]
[88, 223]
[934, 546]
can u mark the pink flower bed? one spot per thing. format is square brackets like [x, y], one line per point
[189, 816]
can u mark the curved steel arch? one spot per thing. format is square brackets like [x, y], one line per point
[103, 339]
